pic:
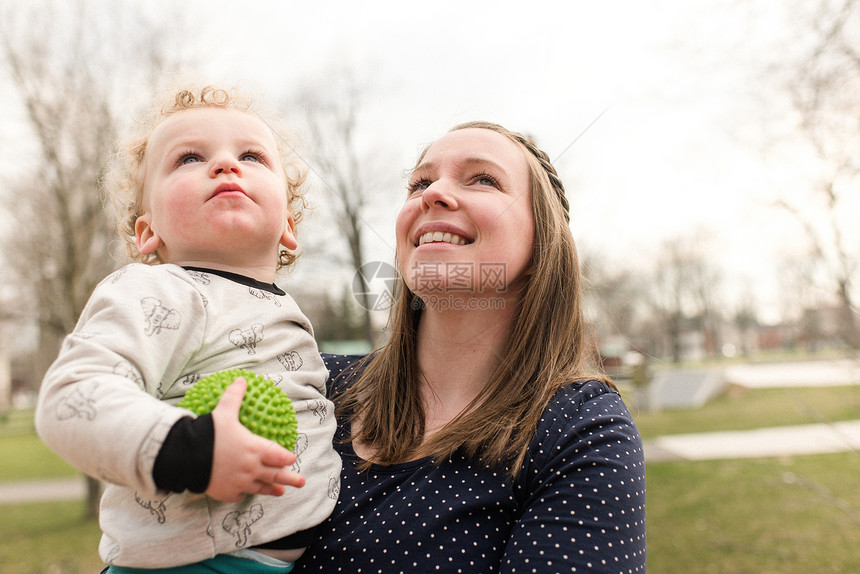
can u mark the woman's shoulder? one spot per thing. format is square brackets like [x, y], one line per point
[586, 426]
[577, 394]
[585, 408]
[341, 366]
[590, 399]
[580, 392]
[339, 363]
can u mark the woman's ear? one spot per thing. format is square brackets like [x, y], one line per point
[146, 239]
[288, 239]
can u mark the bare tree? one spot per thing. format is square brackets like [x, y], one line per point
[823, 87]
[745, 319]
[349, 169]
[683, 294]
[75, 68]
[614, 294]
[668, 297]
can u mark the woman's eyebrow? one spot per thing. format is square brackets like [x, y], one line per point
[464, 162]
[482, 161]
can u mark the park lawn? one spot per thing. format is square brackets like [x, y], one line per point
[781, 516]
[765, 516]
[25, 457]
[50, 537]
[768, 516]
[745, 409]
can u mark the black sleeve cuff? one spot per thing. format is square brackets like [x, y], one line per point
[300, 539]
[185, 459]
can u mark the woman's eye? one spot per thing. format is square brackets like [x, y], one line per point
[484, 179]
[419, 185]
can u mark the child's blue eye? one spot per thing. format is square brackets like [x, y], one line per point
[250, 157]
[189, 159]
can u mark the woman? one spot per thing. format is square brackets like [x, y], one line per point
[474, 441]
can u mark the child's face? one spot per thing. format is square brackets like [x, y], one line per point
[215, 192]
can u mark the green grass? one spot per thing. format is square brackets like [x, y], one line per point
[766, 516]
[48, 538]
[24, 457]
[16, 422]
[779, 516]
[745, 409]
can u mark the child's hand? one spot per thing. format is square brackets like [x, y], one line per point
[244, 463]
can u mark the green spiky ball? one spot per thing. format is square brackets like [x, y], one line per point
[266, 410]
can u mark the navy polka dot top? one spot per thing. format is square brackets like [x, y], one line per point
[578, 504]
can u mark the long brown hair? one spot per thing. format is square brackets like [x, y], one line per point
[546, 349]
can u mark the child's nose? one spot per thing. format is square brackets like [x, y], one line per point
[225, 163]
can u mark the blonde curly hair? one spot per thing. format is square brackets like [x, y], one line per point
[124, 182]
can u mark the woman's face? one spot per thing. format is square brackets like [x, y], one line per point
[467, 227]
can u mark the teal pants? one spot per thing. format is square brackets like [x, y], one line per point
[221, 564]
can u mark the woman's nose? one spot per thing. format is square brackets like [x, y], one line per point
[225, 164]
[439, 194]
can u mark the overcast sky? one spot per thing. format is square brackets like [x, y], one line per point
[650, 109]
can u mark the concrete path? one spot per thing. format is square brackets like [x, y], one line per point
[43, 490]
[758, 443]
[795, 374]
[678, 390]
[693, 388]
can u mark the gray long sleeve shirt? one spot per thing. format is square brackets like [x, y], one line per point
[107, 404]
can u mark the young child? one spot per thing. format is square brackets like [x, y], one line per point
[210, 199]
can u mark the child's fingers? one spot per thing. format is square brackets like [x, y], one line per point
[277, 456]
[289, 478]
[274, 482]
[231, 400]
[281, 476]
[272, 490]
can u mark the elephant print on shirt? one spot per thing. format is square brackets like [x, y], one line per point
[264, 295]
[248, 338]
[301, 445]
[291, 361]
[333, 487]
[126, 369]
[239, 523]
[79, 402]
[199, 276]
[158, 316]
[157, 508]
[318, 407]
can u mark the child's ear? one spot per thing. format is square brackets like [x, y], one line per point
[146, 239]
[288, 239]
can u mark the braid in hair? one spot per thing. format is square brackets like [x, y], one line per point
[530, 145]
[554, 179]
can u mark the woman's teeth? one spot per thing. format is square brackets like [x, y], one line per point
[438, 236]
